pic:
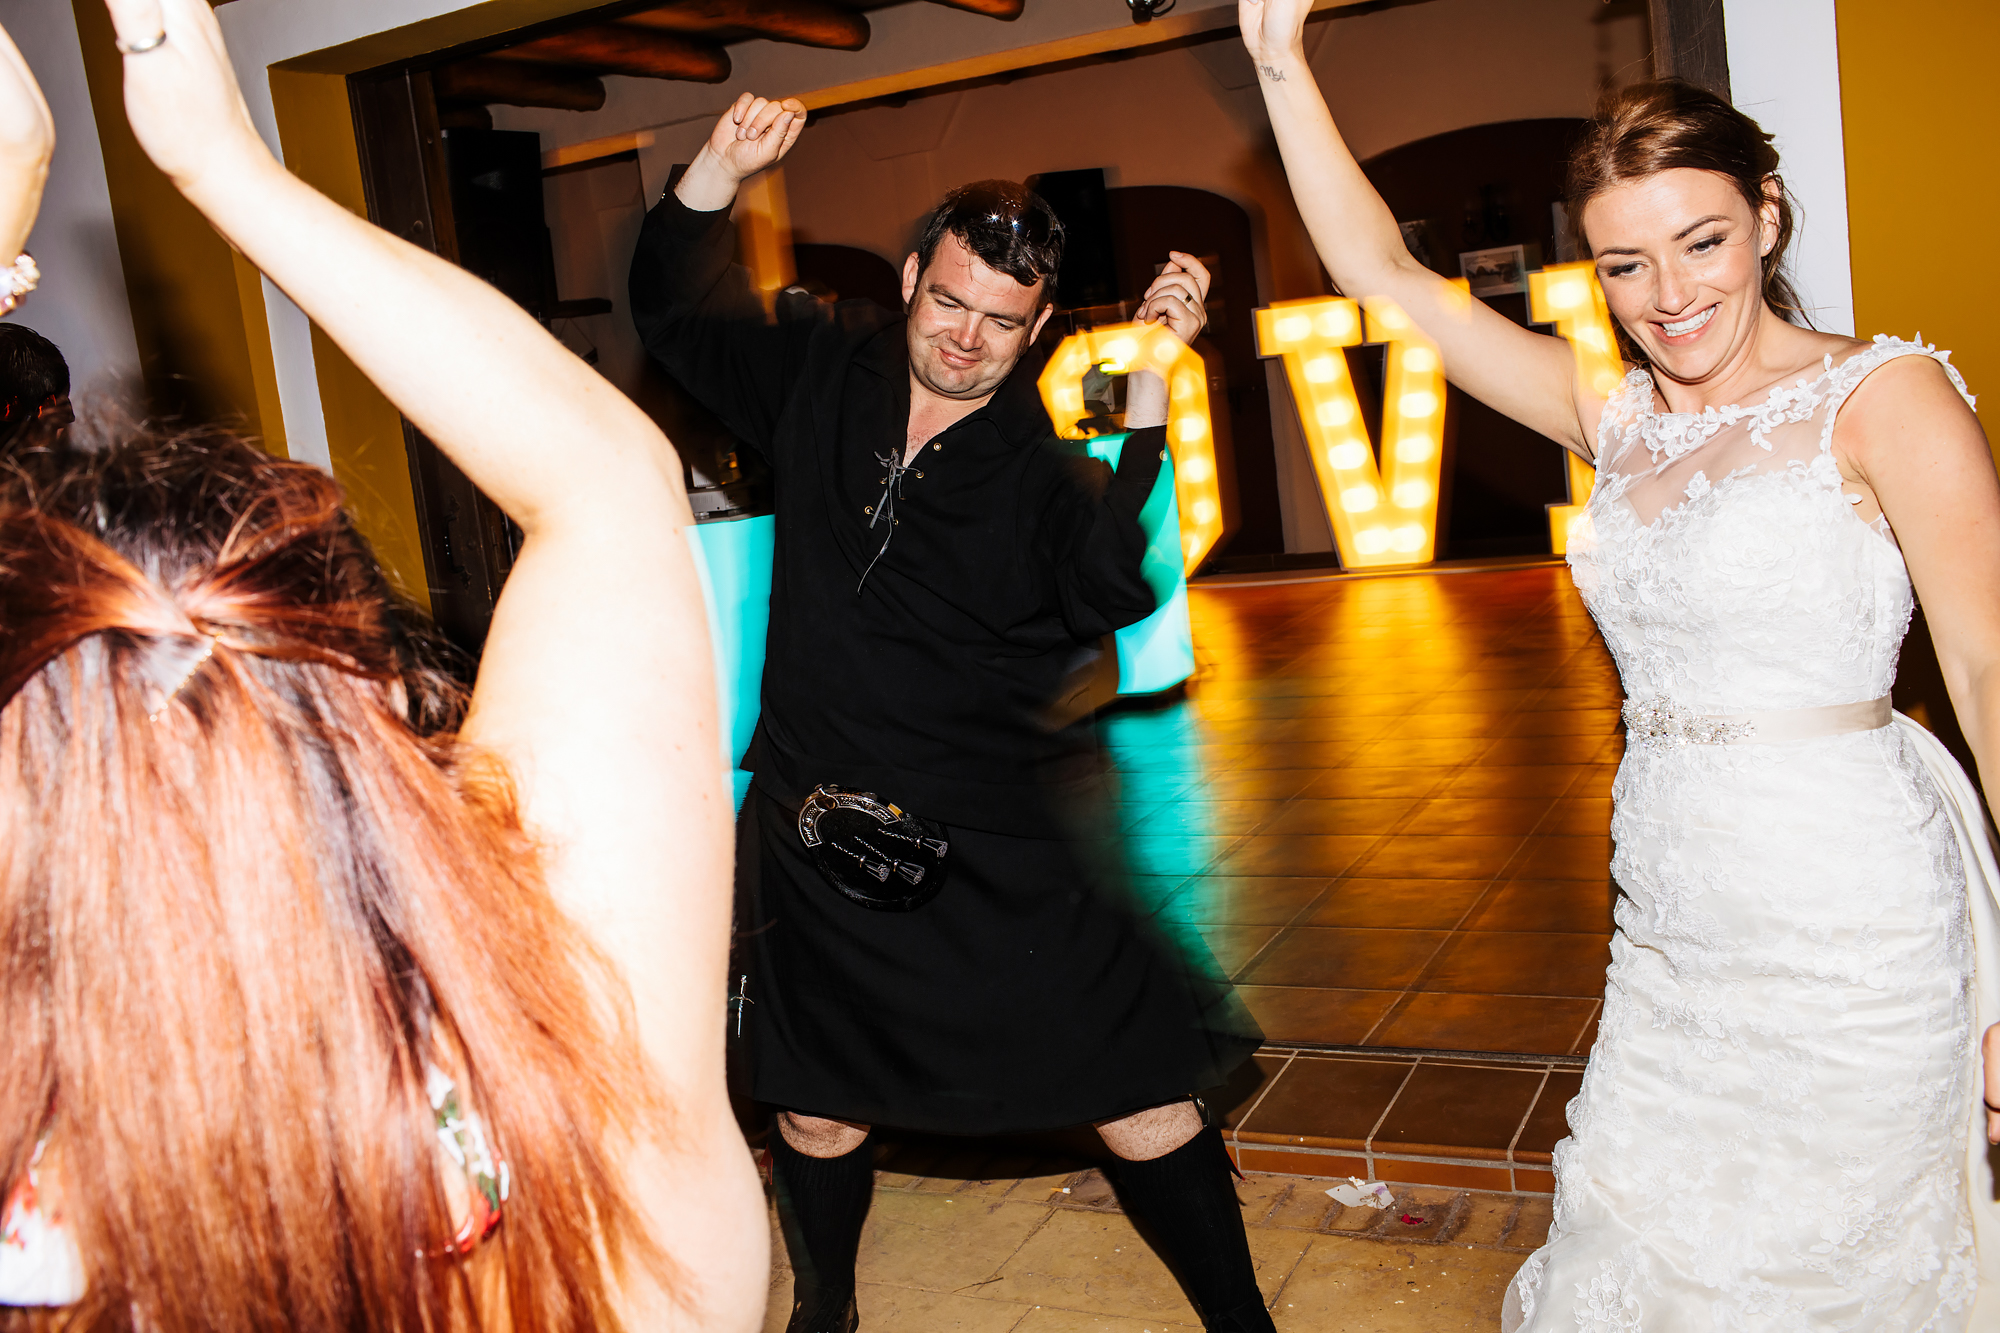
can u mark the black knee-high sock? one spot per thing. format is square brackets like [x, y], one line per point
[1187, 1199]
[822, 1202]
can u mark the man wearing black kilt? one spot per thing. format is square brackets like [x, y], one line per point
[939, 937]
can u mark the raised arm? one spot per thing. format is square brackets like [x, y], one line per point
[596, 686]
[27, 138]
[1528, 376]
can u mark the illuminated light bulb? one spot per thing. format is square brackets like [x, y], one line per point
[1122, 351]
[1196, 470]
[1070, 400]
[1321, 370]
[1351, 454]
[1184, 388]
[1410, 494]
[1358, 499]
[1409, 537]
[1371, 541]
[1337, 322]
[1606, 383]
[1204, 511]
[1335, 412]
[1593, 337]
[1569, 295]
[1418, 404]
[1189, 543]
[1294, 328]
[1420, 360]
[1191, 429]
[1413, 449]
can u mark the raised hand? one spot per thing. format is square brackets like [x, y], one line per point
[27, 138]
[752, 136]
[1274, 32]
[1177, 297]
[181, 94]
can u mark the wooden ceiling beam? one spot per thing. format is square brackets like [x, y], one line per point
[998, 9]
[802, 22]
[609, 48]
[515, 83]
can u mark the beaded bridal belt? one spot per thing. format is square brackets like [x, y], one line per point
[1666, 722]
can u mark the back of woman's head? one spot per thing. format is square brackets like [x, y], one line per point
[250, 891]
[1647, 128]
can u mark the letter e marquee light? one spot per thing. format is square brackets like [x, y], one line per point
[1382, 514]
[1122, 349]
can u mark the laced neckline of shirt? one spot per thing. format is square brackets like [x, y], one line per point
[1670, 435]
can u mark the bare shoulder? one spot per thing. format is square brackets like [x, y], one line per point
[1907, 406]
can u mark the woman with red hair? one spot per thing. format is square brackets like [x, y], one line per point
[1780, 1126]
[334, 1000]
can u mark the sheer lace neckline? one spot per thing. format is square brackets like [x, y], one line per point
[1673, 434]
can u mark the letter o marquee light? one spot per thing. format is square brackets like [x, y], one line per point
[1124, 348]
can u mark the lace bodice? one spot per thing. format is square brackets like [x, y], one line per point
[1722, 560]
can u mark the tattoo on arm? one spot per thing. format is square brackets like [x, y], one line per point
[1273, 73]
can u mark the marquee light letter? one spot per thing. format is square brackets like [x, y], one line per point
[1383, 514]
[1569, 297]
[1121, 349]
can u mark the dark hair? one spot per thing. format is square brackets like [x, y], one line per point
[1007, 225]
[1648, 128]
[244, 901]
[32, 371]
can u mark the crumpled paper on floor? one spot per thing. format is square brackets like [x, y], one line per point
[1359, 1193]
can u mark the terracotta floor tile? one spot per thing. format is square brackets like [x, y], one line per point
[1543, 857]
[1268, 784]
[1340, 957]
[1425, 1289]
[1587, 1038]
[1234, 946]
[956, 1242]
[1494, 963]
[1515, 751]
[1535, 780]
[1478, 815]
[1343, 705]
[1400, 753]
[1306, 1013]
[1397, 904]
[1294, 854]
[1205, 818]
[1520, 1024]
[1579, 816]
[1594, 782]
[1566, 906]
[1354, 815]
[1547, 1124]
[1448, 726]
[1232, 1110]
[1435, 856]
[1328, 1102]
[1268, 730]
[1483, 701]
[1243, 900]
[1573, 722]
[1469, 1108]
[1280, 754]
[1174, 854]
[1356, 783]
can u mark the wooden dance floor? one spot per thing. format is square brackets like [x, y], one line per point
[1384, 804]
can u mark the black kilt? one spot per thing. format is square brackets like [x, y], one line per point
[1032, 993]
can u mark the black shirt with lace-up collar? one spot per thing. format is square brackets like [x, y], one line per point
[1010, 552]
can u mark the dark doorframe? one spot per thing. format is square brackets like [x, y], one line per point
[468, 549]
[1690, 42]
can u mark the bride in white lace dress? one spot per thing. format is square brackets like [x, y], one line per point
[1780, 1127]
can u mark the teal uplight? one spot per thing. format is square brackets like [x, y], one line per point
[733, 557]
[1157, 653]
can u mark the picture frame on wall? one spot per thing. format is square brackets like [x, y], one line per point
[1495, 272]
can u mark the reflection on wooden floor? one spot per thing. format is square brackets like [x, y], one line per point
[1384, 804]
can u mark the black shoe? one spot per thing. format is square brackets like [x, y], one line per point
[819, 1319]
[1251, 1317]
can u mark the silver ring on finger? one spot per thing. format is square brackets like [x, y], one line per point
[143, 45]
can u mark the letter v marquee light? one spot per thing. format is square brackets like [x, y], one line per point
[1382, 514]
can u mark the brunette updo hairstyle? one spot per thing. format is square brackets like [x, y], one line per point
[1647, 128]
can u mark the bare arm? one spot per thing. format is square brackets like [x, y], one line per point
[1912, 440]
[27, 138]
[596, 686]
[1530, 377]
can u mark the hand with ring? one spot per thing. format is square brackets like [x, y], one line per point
[181, 93]
[1177, 297]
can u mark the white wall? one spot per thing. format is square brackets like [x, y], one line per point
[1784, 71]
[81, 306]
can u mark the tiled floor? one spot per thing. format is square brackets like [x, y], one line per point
[1053, 1254]
[1383, 804]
